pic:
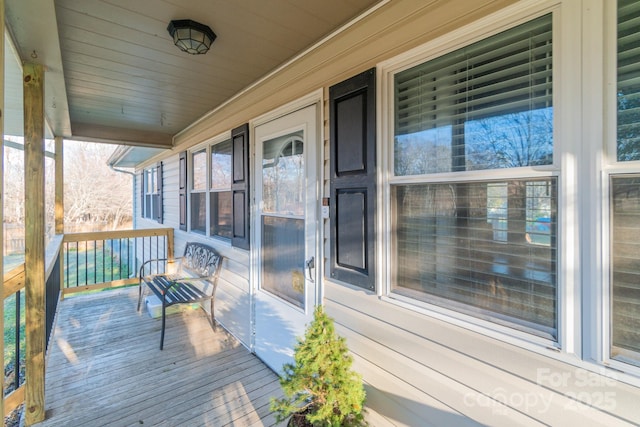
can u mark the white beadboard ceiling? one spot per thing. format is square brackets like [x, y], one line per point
[113, 73]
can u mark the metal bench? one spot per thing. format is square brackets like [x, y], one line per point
[194, 281]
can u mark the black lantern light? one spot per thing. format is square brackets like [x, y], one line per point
[191, 36]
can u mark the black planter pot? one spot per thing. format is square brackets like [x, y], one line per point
[299, 419]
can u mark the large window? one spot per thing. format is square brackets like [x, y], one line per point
[625, 193]
[453, 250]
[151, 191]
[211, 206]
[461, 238]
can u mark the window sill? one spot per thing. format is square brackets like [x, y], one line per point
[481, 326]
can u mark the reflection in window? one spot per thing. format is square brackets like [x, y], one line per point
[199, 170]
[220, 209]
[497, 210]
[221, 166]
[198, 200]
[283, 175]
[486, 106]
[538, 213]
[283, 258]
[625, 268]
[447, 252]
[198, 212]
[483, 248]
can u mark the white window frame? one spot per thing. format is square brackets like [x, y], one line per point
[192, 190]
[210, 188]
[153, 171]
[206, 147]
[566, 120]
[600, 302]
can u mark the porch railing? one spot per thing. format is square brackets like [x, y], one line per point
[14, 300]
[78, 262]
[93, 261]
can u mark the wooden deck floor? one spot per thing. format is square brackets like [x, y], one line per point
[105, 369]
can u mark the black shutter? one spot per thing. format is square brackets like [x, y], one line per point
[240, 186]
[182, 191]
[353, 179]
[160, 204]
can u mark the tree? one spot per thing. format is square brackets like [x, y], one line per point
[320, 383]
[95, 195]
[510, 140]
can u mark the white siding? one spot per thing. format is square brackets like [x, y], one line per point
[453, 372]
[170, 193]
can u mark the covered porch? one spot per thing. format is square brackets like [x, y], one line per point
[104, 368]
[108, 72]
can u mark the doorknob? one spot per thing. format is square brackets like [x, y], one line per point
[311, 263]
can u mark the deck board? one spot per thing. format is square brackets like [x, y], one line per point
[105, 368]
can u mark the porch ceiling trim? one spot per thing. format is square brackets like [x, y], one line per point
[120, 136]
[132, 157]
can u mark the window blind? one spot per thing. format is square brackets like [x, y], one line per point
[628, 144]
[487, 249]
[625, 266]
[506, 73]
[485, 106]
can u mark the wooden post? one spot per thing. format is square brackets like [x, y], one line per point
[59, 212]
[170, 248]
[2, 186]
[33, 85]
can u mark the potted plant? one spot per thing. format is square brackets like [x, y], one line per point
[320, 388]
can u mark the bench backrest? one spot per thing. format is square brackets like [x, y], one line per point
[202, 261]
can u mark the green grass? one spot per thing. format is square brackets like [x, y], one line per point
[94, 265]
[11, 262]
[10, 330]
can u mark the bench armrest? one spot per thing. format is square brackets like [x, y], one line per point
[141, 273]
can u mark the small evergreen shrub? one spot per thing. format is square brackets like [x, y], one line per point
[320, 382]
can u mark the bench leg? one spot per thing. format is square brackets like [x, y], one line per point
[163, 323]
[139, 294]
[213, 318]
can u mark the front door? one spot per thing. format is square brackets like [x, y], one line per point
[285, 233]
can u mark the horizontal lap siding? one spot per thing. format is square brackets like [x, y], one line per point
[464, 373]
[170, 193]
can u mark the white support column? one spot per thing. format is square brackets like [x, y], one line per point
[59, 209]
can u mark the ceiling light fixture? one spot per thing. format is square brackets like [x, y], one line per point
[191, 36]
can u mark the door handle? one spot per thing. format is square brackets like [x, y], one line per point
[311, 263]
